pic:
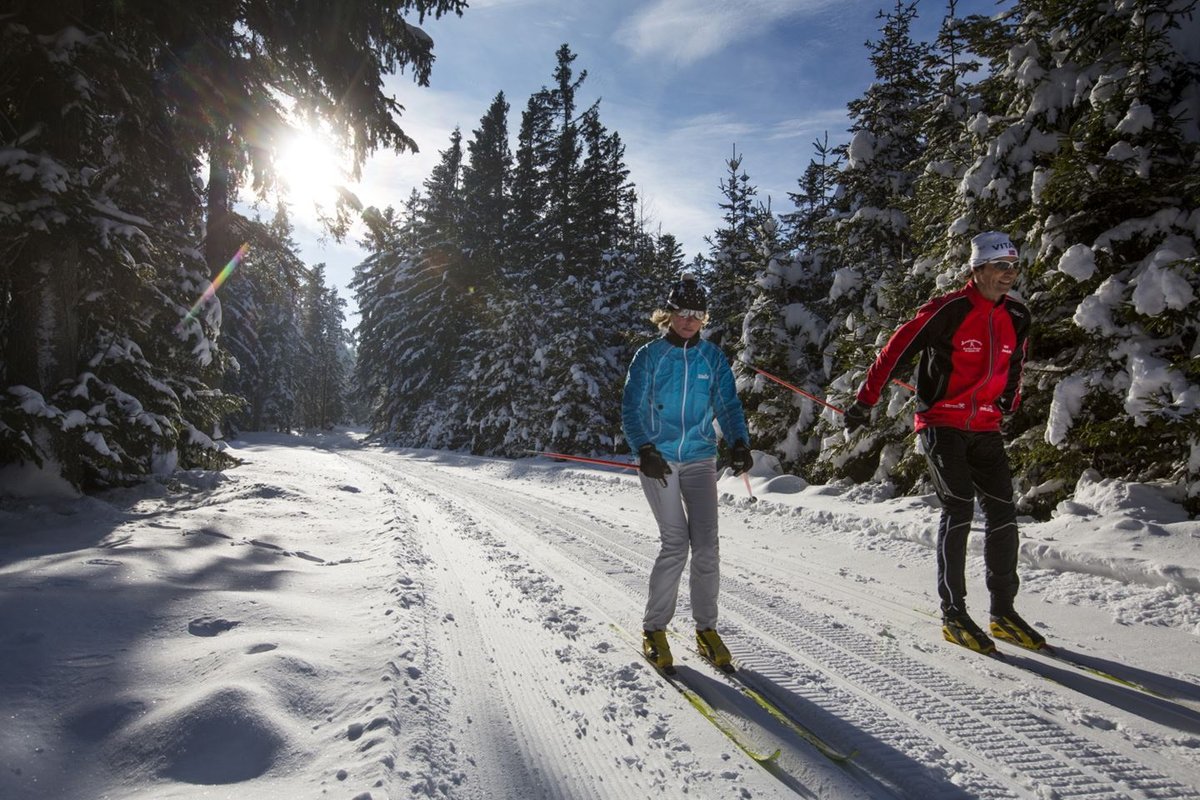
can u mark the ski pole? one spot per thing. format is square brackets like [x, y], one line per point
[601, 461]
[781, 382]
[796, 389]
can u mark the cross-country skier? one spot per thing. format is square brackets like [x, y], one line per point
[971, 345]
[675, 387]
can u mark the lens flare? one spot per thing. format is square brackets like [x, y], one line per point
[218, 281]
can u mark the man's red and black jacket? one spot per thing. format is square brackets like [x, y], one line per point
[972, 351]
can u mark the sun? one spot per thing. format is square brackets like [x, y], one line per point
[309, 169]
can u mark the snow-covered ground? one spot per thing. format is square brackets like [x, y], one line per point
[333, 620]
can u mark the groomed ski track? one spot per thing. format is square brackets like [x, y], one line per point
[521, 587]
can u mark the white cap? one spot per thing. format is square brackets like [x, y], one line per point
[991, 246]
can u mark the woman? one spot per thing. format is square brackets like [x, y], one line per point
[675, 387]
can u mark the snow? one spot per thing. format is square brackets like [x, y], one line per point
[1078, 261]
[334, 619]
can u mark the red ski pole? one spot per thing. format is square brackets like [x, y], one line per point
[584, 459]
[796, 389]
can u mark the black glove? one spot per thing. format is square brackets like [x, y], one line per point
[857, 415]
[740, 458]
[652, 464]
[1005, 404]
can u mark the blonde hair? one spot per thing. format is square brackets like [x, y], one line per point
[662, 318]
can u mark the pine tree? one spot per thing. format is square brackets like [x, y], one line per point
[393, 243]
[1098, 180]
[322, 400]
[730, 267]
[105, 209]
[486, 199]
[429, 304]
[870, 236]
[260, 326]
[100, 377]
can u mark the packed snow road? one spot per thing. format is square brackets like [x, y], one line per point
[530, 578]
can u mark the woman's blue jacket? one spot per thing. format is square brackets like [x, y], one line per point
[674, 389]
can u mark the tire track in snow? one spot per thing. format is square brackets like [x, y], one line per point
[994, 734]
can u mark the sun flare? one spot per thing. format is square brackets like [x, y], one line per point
[309, 169]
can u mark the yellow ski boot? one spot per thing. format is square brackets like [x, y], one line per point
[714, 650]
[656, 649]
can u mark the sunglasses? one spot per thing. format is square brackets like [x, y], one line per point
[690, 313]
[1004, 266]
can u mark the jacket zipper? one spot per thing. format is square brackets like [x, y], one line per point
[991, 345]
[683, 406]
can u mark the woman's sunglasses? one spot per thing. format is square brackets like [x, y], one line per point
[690, 312]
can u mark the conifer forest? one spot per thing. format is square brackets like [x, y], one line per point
[502, 300]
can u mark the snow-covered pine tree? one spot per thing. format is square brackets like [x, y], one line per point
[260, 326]
[538, 383]
[378, 282]
[322, 400]
[1089, 149]
[946, 159]
[503, 395]
[770, 325]
[729, 269]
[872, 241]
[793, 296]
[586, 178]
[100, 378]
[428, 367]
[486, 176]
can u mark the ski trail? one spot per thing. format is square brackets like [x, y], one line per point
[899, 708]
[579, 720]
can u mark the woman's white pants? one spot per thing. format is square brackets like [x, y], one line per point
[686, 512]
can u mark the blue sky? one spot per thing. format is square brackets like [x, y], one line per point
[682, 81]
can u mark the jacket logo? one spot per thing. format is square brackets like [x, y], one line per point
[971, 345]
[1006, 350]
[703, 376]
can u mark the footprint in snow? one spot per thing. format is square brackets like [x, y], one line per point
[207, 626]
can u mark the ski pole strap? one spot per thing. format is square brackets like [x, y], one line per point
[604, 462]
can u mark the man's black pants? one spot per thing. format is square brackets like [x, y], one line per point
[964, 464]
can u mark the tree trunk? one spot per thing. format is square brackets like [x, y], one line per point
[42, 347]
[217, 248]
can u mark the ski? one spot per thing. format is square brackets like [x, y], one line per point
[734, 677]
[710, 714]
[1062, 657]
[1185, 705]
[673, 678]
[738, 679]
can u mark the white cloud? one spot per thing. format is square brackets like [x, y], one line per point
[686, 31]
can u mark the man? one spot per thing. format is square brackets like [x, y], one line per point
[971, 345]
